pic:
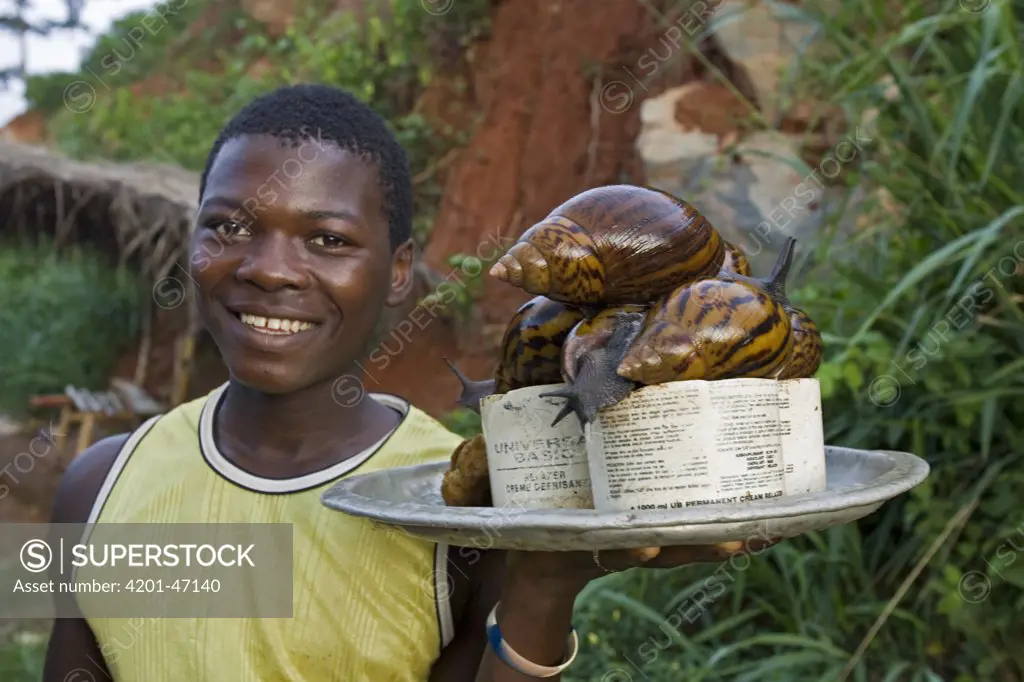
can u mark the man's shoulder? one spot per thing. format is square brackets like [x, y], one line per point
[87, 473]
[425, 438]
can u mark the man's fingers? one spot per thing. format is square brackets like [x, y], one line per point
[730, 547]
[759, 544]
[643, 554]
[678, 555]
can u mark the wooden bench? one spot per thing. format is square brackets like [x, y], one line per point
[125, 401]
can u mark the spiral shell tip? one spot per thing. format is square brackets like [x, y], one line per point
[500, 271]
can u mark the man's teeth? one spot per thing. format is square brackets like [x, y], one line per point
[275, 324]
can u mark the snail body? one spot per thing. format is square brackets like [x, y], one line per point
[531, 351]
[595, 383]
[727, 327]
[589, 334]
[613, 245]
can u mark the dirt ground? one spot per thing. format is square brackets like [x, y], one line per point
[31, 481]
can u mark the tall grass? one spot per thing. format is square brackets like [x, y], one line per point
[922, 311]
[65, 317]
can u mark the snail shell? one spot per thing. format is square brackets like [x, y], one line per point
[531, 351]
[807, 352]
[613, 245]
[735, 261]
[467, 481]
[805, 359]
[724, 328]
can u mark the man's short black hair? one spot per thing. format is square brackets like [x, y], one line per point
[297, 113]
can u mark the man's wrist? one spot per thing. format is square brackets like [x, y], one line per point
[544, 580]
[535, 615]
[540, 592]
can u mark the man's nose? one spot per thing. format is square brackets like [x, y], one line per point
[272, 262]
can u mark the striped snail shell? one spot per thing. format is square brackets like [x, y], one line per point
[735, 261]
[531, 351]
[807, 353]
[721, 328]
[613, 245]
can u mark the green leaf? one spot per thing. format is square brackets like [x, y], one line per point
[853, 376]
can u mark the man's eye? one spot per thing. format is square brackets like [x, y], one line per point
[230, 228]
[329, 241]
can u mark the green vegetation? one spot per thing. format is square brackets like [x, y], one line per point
[21, 656]
[63, 319]
[136, 45]
[211, 75]
[463, 421]
[930, 300]
[458, 296]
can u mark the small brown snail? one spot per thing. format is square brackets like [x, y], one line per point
[727, 327]
[531, 351]
[467, 481]
[595, 384]
[612, 245]
[735, 261]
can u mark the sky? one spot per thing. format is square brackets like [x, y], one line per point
[61, 50]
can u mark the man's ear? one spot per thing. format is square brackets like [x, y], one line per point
[402, 274]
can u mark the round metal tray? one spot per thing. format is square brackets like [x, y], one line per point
[409, 499]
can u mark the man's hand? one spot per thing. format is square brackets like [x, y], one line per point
[540, 590]
[566, 569]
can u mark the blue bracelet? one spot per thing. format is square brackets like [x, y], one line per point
[509, 657]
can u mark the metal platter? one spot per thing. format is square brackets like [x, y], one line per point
[409, 500]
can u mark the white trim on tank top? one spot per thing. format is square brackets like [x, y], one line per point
[243, 478]
[216, 460]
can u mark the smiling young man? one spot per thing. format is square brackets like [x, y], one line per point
[301, 243]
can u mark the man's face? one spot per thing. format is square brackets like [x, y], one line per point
[292, 261]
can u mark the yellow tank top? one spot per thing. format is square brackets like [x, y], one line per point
[361, 610]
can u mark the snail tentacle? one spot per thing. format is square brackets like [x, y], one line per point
[775, 284]
[472, 391]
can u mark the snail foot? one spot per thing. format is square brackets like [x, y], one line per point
[594, 389]
[472, 391]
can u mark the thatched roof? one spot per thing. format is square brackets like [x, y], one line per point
[142, 213]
